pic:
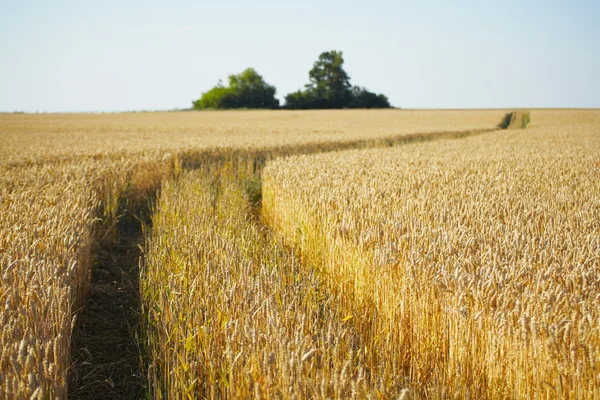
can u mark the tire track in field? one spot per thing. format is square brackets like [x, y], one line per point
[107, 358]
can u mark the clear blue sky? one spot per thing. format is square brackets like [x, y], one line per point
[135, 55]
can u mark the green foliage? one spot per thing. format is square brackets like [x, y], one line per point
[253, 189]
[246, 90]
[526, 120]
[362, 98]
[505, 123]
[300, 100]
[329, 82]
[515, 120]
[330, 87]
[217, 98]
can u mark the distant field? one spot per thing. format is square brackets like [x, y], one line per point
[47, 137]
[356, 243]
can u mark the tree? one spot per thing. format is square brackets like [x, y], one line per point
[218, 97]
[330, 87]
[246, 90]
[300, 100]
[362, 98]
[329, 82]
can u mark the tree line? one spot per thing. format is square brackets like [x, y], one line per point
[329, 87]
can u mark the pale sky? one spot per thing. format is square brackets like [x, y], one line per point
[158, 55]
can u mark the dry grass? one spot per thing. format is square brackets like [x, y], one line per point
[480, 257]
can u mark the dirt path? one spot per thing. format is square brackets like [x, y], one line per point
[107, 361]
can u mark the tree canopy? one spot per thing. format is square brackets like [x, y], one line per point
[246, 90]
[330, 87]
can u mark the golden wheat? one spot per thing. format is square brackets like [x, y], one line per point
[232, 313]
[51, 137]
[227, 307]
[66, 179]
[481, 256]
[48, 225]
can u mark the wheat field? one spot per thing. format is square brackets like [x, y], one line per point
[291, 288]
[67, 181]
[253, 321]
[480, 256]
[51, 218]
[55, 137]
